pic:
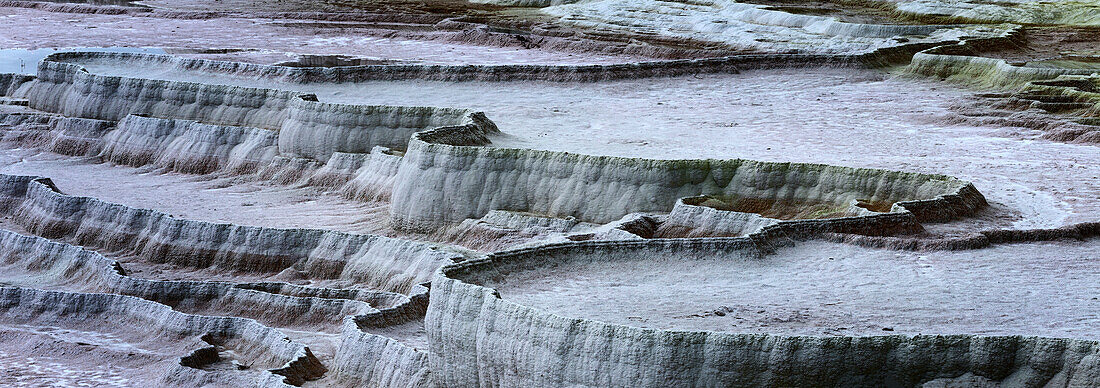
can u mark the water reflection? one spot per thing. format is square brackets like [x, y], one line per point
[26, 61]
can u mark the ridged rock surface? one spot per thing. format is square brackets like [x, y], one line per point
[344, 259]
[439, 173]
[957, 62]
[306, 128]
[441, 183]
[287, 362]
[1057, 12]
[188, 146]
[749, 26]
[479, 339]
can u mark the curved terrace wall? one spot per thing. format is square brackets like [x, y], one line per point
[358, 360]
[190, 147]
[984, 71]
[447, 175]
[961, 62]
[305, 126]
[479, 339]
[378, 262]
[443, 176]
[46, 263]
[288, 362]
[553, 73]
[440, 184]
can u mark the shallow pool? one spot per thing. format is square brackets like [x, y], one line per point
[26, 61]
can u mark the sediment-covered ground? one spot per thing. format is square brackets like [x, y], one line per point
[549, 193]
[834, 289]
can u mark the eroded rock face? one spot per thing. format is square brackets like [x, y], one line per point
[1031, 12]
[958, 62]
[602, 189]
[383, 310]
[307, 147]
[519, 345]
[373, 261]
[750, 26]
[188, 146]
[266, 348]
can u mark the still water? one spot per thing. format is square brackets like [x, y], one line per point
[26, 61]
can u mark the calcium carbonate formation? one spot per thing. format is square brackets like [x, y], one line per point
[440, 176]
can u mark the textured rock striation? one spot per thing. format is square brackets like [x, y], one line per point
[36, 261]
[286, 362]
[1057, 97]
[602, 189]
[188, 146]
[479, 339]
[341, 259]
[304, 126]
[460, 73]
[440, 175]
[440, 178]
[1059, 12]
[961, 62]
[746, 26]
[42, 262]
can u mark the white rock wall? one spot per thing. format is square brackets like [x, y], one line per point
[372, 261]
[264, 347]
[479, 339]
[440, 184]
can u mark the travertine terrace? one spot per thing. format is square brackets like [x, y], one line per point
[550, 193]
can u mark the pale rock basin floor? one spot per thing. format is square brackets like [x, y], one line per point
[226, 200]
[25, 28]
[818, 288]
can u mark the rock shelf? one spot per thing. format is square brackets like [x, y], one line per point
[487, 250]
